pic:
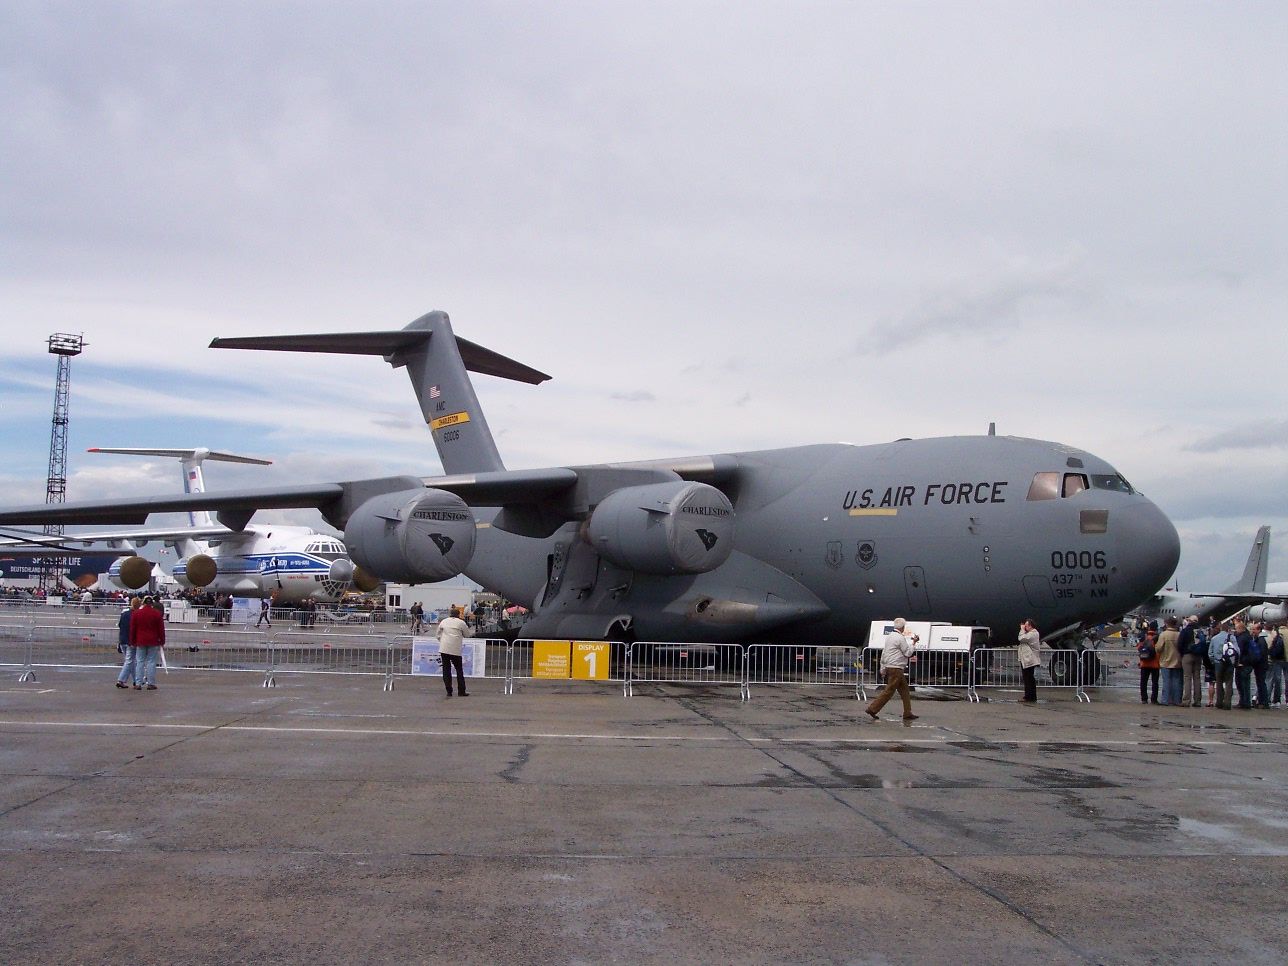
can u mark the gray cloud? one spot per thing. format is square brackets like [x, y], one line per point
[638, 395]
[1260, 436]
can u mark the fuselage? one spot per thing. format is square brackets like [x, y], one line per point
[970, 530]
[284, 562]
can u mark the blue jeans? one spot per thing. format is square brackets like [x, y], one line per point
[1278, 680]
[1172, 680]
[127, 667]
[145, 665]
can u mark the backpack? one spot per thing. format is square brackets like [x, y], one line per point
[1230, 651]
[1146, 651]
[1277, 647]
[1199, 645]
[1256, 653]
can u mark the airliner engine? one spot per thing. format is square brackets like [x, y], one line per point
[1268, 613]
[664, 528]
[134, 572]
[412, 536]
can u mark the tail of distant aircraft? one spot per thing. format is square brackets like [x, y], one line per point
[191, 460]
[436, 361]
[1253, 580]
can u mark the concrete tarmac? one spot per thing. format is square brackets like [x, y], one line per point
[324, 821]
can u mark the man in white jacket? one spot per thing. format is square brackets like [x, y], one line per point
[895, 653]
[452, 632]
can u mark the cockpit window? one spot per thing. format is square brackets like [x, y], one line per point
[1074, 483]
[1111, 481]
[1045, 486]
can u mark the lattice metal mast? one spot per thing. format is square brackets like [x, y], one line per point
[64, 346]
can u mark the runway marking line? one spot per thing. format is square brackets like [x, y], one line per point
[579, 736]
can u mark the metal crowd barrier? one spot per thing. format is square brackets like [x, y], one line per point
[810, 664]
[999, 667]
[1111, 667]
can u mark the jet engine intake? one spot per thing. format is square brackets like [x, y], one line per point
[664, 528]
[412, 536]
[1268, 613]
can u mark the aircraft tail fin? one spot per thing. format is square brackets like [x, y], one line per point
[438, 363]
[1253, 580]
[191, 460]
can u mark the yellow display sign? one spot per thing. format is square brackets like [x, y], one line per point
[451, 420]
[590, 660]
[550, 659]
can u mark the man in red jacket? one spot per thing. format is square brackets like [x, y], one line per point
[147, 636]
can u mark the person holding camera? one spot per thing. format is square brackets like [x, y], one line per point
[896, 651]
[1030, 641]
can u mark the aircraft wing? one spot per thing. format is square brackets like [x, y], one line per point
[506, 486]
[1246, 598]
[134, 512]
[20, 541]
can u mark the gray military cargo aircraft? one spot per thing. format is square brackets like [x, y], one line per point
[801, 544]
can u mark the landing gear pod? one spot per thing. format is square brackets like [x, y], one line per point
[664, 528]
[413, 536]
[135, 572]
[201, 570]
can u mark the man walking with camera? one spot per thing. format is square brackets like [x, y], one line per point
[895, 654]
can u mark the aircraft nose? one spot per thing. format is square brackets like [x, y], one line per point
[1150, 549]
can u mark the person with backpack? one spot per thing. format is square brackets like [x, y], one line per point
[1192, 645]
[1278, 667]
[1223, 651]
[1147, 651]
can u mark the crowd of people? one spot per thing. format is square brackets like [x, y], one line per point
[1178, 661]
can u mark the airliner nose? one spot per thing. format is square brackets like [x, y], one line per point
[1149, 549]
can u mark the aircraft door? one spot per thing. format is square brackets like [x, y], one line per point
[914, 585]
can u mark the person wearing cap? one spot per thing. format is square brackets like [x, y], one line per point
[1191, 645]
[899, 646]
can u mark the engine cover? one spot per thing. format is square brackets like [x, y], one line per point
[1268, 613]
[201, 570]
[412, 536]
[664, 528]
[134, 572]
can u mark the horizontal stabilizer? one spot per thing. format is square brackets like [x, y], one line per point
[182, 454]
[388, 344]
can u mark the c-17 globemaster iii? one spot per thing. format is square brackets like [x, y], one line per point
[805, 543]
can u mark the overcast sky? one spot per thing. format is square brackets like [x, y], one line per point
[719, 226]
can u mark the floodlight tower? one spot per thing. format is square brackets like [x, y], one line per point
[64, 346]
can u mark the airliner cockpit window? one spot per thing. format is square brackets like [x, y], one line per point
[1074, 483]
[1045, 486]
[1111, 481]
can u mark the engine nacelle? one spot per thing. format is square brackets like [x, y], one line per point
[412, 536]
[134, 572]
[341, 571]
[200, 570]
[664, 528]
[1268, 613]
